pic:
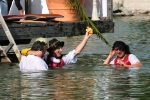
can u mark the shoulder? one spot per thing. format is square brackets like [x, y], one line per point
[132, 55]
[71, 53]
[133, 59]
[70, 57]
[23, 59]
[33, 58]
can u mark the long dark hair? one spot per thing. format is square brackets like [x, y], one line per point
[121, 46]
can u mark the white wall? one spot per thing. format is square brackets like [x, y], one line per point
[101, 7]
[39, 7]
[137, 5]
[104, 8]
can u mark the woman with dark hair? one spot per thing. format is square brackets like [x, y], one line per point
[123, 56]
[18, 5]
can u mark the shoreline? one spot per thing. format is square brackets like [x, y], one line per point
[131, 8]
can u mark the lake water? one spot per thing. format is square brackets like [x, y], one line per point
[88, 79]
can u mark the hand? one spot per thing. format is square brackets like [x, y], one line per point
[88, 34]
[39, 53]
[121, 62]
[112, 52]
[80, 47]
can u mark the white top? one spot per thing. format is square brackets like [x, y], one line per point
[132, 58]
[55, 60]
[68, 58]
[32, 62]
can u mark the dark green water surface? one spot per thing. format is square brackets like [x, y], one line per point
[88, 79]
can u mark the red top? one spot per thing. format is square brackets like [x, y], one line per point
[125, 60]
[54, 64]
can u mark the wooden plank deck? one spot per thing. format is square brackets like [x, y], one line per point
[34, 17]
[42, 25]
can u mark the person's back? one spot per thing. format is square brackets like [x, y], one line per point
[32, 62]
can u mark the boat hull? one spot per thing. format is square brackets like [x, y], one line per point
[27, 31]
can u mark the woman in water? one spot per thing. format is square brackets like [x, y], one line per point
[123, 56]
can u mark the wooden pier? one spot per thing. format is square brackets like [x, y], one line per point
[44, 25]
[23, 31]
[38, 26]
[35, 26]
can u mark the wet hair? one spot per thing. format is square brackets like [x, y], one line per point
[121, 46]
[38, 45]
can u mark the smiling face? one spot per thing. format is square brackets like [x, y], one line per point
[121, 49]
[119, 53]
[57, 52]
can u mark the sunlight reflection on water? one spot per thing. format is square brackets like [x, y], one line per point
[88, 78]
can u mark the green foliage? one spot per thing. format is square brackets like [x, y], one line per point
[83, 17]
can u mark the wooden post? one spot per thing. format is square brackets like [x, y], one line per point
[94, 11]
[27, 6]
[10, 38]
[3, 56]
[110, 9]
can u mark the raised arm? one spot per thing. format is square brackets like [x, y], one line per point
[80, 47]
[111, 54]
[37, 53]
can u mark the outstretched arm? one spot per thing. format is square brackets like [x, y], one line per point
[111, 54]
[80, 47]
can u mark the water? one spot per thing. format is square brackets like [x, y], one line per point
[88, 79]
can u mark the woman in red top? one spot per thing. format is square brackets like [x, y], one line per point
[123, 56]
